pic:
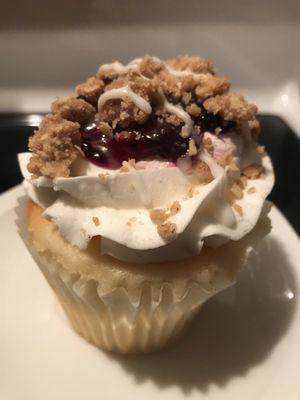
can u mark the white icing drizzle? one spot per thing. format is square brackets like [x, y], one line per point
[120, 68]
[122, 93]
[187, 129]
[144, 105]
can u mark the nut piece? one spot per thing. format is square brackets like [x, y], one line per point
[73, 109]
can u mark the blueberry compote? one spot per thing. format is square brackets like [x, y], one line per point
[154, 139]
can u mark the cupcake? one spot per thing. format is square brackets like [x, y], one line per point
[145, 194]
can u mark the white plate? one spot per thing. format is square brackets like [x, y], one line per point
[244, 344]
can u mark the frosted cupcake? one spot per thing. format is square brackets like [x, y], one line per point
[144, 193]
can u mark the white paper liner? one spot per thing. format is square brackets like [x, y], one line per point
[112, 320]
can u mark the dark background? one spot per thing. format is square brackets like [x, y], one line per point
[281, 143]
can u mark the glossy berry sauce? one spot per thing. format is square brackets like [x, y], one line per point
[154, 139]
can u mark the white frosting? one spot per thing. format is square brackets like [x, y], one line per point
[122, 202]
[122, 93]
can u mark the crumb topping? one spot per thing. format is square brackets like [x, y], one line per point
[72, 109]
[178, 91]
[231, 106]
[166, 229]
[91, 89]
[54, 147]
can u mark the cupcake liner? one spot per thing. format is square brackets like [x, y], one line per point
[113, 320]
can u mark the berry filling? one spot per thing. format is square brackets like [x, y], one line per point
[154, 139]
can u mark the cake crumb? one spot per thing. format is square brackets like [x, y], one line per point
[167, 230]
[96, 221]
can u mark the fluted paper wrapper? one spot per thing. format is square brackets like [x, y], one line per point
[114, 321]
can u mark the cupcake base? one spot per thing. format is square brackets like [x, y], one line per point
[117, 319]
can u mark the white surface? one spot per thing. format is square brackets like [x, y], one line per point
[244, 344]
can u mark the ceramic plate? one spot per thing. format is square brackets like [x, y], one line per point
[243, 345]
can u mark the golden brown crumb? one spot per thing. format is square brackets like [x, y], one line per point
[103, 177]
[123, 112]
[241, 183]
[175, 208]
[192, 148]
[208, 145]
[195, 64]
[173, 119]
[105, 128]
[167, 230]
[231, 163]
[244, 180]
[72, 109]
[96, 221]
[236, 191]
[254, 126]
[251, 190]
[128, 165]
[260, 150]
[150, 67]
[253, 171]
[91, 89]
[194, 110]
[231, 106]
[211, 86]
[203, 172]
[53, 147]
[190, 192]
[238, 209]
[158, 216]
